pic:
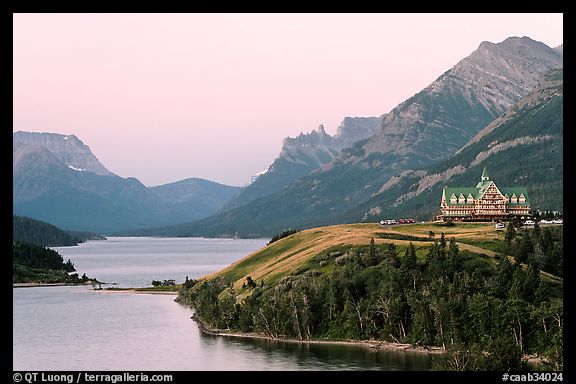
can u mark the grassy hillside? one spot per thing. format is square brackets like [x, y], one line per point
[289, 254]
[293, 254]
[422, 284]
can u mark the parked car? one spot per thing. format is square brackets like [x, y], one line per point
[499, 226]
[555, 221]
[410, 220]
[402, 221]
[529, 222]
[388, 222]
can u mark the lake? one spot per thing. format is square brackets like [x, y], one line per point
[77, 328]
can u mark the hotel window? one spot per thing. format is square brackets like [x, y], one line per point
[453, 199]
[522, 199]
[461, 199]
[514, 199]
[469, 199]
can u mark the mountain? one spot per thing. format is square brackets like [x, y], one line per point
[66, 148]
[47, 189]
[194, 198]
[427, 128]
[560, 48]
[302, 154]
[57, 179]
[441, 118]
[522, 147]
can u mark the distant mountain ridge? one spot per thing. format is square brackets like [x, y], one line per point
[488, 109]
[57, 179]
[198, 197]
[66, 148]
[303, 154]
[549, 86]
[440, 119]
[47, 189]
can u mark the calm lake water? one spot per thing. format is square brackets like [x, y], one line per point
[76, 328]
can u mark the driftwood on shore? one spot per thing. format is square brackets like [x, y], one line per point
[374, 345]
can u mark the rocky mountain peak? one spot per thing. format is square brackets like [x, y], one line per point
[549, 85]
[512, 67]
[68, 149]
[514, 44]
[440, 119]
[560, 49]
[305, 140]
[354, 129]
[322, 147]
[303, 154]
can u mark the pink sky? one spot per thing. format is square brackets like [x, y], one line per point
[164, 97]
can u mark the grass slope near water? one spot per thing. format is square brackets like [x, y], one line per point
[282, 257]
[425, 285]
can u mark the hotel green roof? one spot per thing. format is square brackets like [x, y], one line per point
[479, 190]
[517, 191]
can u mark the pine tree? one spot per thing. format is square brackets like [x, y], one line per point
[370, 258]
[443, 244]
[517, 285]
[503, 279]
[510, 236]
[524, 248]
[392, 255]
[531, 282]
[453, 262]
[409, 268]
[409, 262]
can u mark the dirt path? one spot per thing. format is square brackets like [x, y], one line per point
[475, 249]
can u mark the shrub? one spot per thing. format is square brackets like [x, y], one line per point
[282, 235]
[345, 258]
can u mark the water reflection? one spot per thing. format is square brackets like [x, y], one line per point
[313, 356]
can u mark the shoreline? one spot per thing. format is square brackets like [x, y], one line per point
[101, 290]
[374, 345]
[136, 291]
[32, 285]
